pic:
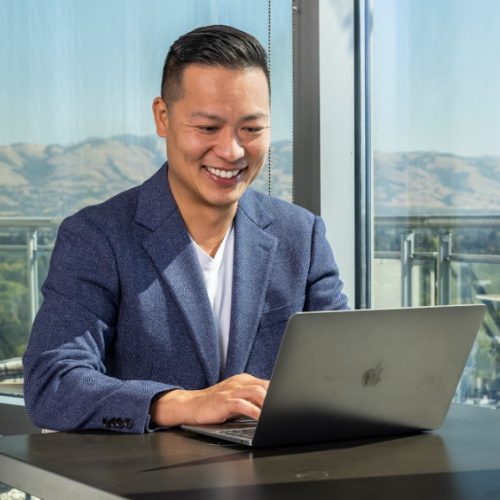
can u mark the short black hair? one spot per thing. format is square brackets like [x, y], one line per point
[216, 45]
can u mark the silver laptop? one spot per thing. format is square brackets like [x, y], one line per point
[363, 373]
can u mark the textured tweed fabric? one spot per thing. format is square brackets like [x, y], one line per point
[126, 316]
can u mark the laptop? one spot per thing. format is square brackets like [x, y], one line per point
[358, 374]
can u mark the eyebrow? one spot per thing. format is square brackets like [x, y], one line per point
[210, 116]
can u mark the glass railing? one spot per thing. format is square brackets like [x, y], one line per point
[25, 248]
[440, 260]
[418, 261]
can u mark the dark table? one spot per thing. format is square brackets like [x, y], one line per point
[460, 461]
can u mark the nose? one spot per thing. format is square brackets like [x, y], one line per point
[228, 146]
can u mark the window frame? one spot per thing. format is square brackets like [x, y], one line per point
[331, 141]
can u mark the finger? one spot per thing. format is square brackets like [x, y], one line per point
[246, 379]
[254, 394]
[263, 383]
[244, 407]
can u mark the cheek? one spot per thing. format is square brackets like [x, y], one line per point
[194, 146]
[258, 152]
[187, 147]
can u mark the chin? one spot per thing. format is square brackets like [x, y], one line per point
[227, 198]
[224, 202]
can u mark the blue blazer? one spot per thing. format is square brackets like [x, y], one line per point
[126, 316]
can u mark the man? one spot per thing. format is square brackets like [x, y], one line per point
[167, 304]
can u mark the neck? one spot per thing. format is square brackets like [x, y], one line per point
[208, 225]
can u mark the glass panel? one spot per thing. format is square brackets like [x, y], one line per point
[78, 80]
[15, 318]
[436, 166]
[387, 275]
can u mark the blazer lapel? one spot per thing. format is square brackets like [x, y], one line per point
[171, 251]
[254, 252]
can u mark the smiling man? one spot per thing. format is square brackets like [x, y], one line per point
[166, 305]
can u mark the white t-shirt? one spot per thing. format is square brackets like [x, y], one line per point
[218, 277]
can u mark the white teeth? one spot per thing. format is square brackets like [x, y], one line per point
[224, 174]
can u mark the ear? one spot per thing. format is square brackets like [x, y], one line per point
[161, 116]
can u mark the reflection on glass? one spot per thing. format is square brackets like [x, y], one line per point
[436, 167]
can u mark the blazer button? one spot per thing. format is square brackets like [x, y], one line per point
[112, 423]
[129, 423]
[119, 423]
[106, 422]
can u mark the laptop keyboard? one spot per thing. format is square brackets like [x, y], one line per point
[248, 432]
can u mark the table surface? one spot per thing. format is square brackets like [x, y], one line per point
[460, 461]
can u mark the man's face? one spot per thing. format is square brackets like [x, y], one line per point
[217, 135]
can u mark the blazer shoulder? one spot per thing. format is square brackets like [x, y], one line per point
[147, 203]
[114, 212]
[260, 206]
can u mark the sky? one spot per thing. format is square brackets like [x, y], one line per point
[73, 69]
[436, 76]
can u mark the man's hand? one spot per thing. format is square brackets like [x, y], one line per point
[239, 395]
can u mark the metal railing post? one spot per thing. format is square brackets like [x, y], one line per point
[407, 248]
[444, 268]
[464, 283]
[32, 247]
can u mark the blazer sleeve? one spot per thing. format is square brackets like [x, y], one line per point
[66, 386]
[324, 286]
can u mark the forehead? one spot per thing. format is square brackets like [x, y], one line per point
[219, 86]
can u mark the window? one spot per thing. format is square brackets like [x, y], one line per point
[436, 167]
[78, 82]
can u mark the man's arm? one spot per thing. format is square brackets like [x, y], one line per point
[324, 287]
[66, 385]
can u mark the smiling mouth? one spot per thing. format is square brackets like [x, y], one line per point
[223, 174]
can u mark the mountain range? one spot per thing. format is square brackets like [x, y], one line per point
[433, 183]
[57, 180]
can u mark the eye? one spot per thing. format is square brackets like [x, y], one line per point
[253, 130]
[208, 129]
